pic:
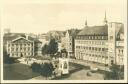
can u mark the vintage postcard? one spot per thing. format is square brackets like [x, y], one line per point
[63, 41]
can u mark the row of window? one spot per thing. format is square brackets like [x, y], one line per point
[93, 37]
[19, 54]
[93, 59]
[92, 48]
[90, 42]
[120, 51]
[19, 49]
[19, 45]
[92, 55]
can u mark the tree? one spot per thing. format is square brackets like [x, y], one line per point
[6, 58]
[45, 49]
[114, 74]
[52, 47]
[36, 67]
[47, 70]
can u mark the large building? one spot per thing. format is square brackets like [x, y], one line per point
[101, 44]
[21, 45]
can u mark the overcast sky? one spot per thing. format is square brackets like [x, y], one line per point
[40, 16]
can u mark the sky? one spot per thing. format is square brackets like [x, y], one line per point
[41, 16]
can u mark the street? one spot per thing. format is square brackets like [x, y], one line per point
[79, 72]
[18, 71]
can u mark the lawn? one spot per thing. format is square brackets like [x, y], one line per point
[18, 71]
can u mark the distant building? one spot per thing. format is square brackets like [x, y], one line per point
[43, 38]
[101, 44]
[63, 42]
[68, 41]
[55, 34]
[32, 35]
[21, 45]
[7, 30]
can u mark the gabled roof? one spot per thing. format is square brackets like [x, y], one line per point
[12, 36]
[21, 38]
[94, 30]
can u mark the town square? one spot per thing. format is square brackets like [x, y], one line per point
[63, 40]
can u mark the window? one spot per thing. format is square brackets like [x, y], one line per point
[96, 49]
[16, 44]
[8, 45]
[111, 37]
[89, 48]
[16, 49]
[21, 48]
[92, 48]
[103, 49]
[122, 51]
[99, 49]
[119, 50]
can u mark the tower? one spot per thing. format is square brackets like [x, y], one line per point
[105, 19]
[112, 35]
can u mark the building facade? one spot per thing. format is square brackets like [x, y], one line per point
[101, 44]
[116, 43]
[92, 46]
[21, 45]
[68, 41]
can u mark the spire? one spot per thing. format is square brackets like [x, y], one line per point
[105, 19]
[86, 23]
[105, 14]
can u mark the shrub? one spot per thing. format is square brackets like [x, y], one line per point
[36, 67]
[47, 70]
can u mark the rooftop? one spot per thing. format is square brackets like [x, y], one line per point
[94, 30]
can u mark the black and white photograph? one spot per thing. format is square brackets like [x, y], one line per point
[63, 41]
